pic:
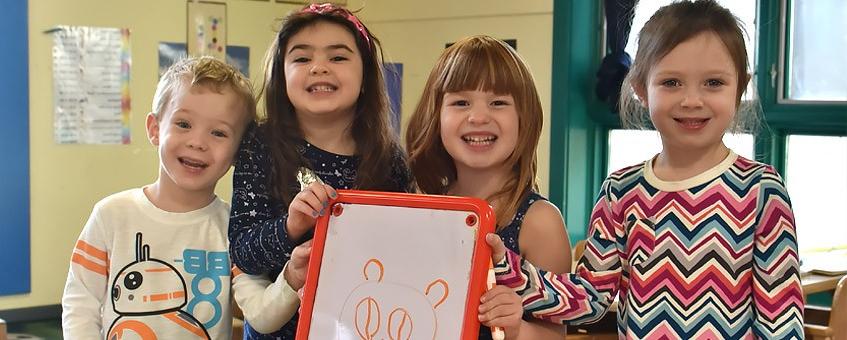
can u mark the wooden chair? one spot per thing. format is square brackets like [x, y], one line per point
[836, 327]
[237, 322]
[578, 249]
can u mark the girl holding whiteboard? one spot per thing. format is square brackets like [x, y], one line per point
[474, 133]
[326, 111]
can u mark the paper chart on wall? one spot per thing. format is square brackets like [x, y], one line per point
[91, 85]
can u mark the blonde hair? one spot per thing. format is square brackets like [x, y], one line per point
[206, 72]
[486, 64]
[672, 25]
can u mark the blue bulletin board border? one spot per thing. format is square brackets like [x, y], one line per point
[171, 52]
[14, 186]
[394, 86]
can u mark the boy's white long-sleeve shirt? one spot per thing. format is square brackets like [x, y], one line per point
[137, 270]
[266, 305]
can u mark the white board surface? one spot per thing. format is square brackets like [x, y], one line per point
[392, 272]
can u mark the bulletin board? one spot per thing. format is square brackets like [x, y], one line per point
[397, 266]
[14, 188]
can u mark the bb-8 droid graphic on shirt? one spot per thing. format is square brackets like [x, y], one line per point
[147, 293]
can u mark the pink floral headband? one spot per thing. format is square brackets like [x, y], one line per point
[331, 9]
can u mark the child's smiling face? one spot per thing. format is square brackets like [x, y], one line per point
[197, 137]
[479, 129]
[323, 70]
[691, 93]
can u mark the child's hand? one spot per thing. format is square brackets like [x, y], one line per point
[501, 307]
[295, 270]
[498, 249]
[305, 208]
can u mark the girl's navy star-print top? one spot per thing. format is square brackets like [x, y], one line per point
[259, 243]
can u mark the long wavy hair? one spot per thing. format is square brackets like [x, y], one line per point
[486, 64]
[376, 145]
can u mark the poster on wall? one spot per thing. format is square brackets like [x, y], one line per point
[394, 86]
[170, 52]
[91, 85]
[239, 56]
[207, 29]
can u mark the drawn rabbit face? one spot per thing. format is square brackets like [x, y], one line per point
[385, 310]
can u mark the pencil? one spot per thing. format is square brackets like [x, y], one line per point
[496, 332]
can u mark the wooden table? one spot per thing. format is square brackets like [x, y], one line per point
[816, 283]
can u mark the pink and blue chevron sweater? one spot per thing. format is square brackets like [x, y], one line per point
[714, 256]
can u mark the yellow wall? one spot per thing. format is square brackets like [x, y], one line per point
[66, 180]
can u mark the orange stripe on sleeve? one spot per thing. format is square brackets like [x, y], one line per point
[92, 251]
[90, 265]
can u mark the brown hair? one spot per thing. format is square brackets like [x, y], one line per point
[668, 27]
[371, 128]
[206, 72]
[486, 64]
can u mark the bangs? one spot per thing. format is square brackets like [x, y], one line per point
[475, 66]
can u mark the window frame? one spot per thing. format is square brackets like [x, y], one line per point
[783, 116]
[580, 123]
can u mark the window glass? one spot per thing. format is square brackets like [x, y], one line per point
[816, 178]
[817, 26]
[629, 147]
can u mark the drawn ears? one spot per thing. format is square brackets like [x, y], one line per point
[376, 270]
[435, 298]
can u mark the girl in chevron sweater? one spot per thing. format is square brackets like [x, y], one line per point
[696, 242]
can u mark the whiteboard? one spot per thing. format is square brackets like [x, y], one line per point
[396, 266]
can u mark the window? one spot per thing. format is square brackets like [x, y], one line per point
[629, 147]
[817, 44]
[794, 46]
[816, 178]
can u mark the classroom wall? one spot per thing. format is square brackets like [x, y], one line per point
[66, 180]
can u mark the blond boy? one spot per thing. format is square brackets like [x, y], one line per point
[152, 262]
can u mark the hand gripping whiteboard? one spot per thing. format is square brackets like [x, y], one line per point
[397, 267]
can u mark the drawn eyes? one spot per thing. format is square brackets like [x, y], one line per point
[368, 321]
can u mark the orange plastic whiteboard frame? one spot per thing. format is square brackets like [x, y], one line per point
[480, 259]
